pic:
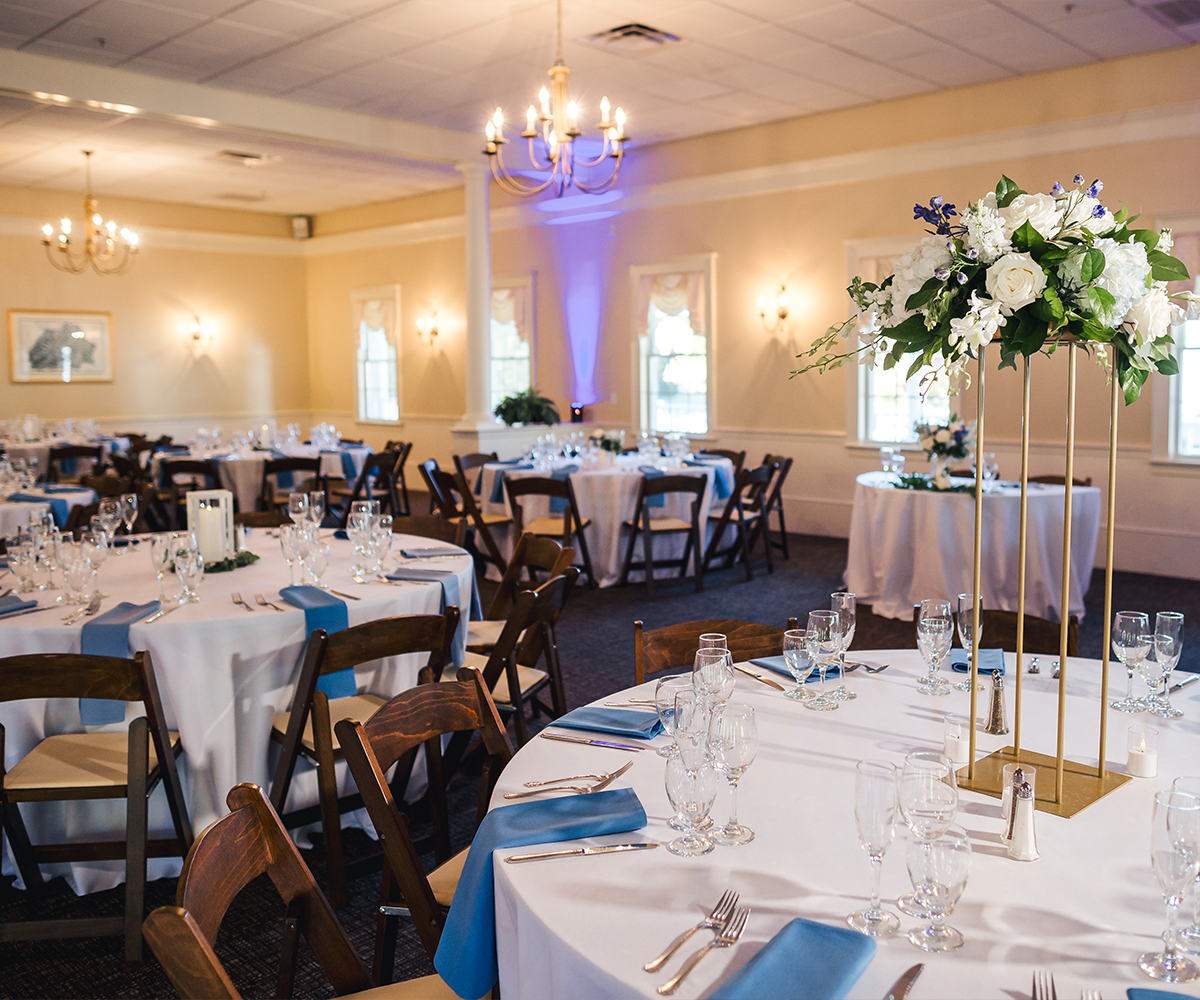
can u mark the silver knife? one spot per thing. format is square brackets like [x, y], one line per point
[161, 612]
[759, 677]
[594, 743]
[349, 597]
[578, 852]
[27, 611]
[1183, 683]
[902, 985]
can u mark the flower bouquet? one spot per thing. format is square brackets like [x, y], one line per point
[1030, 269]
[613, 441]
[950, 440]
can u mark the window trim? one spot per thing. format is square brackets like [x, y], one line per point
[706, 264]
[1164, 390]
[528, 284]
[379, 292]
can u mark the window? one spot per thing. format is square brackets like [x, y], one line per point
[375, 314]
[1187, 391]
[511, 337]
[1176, 399]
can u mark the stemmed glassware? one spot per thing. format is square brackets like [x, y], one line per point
[939, 871]
[297, 507]
[316, 508]
[799, 663]
[1168, 645]
[928, 803]
[76, 573]
[160, 557]
[317, 560]
[189, 567]
[110, 518]
[691, 792]
[824, 647]
[1189, 937]
[664, 703]
[95, 549]
[875, 808]
[1175, 860]
[21, 557]
[712, 674]
[843, 603]
[1131, 644]
[689, 730]
[935, 630]
[381, 541]
[968, 631]
[129, 510]
[288, 545]
[733, 743]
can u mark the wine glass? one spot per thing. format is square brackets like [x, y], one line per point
[76, 572]
[381, 540]
[21, 557]
[733, 742]
[712, 674]
[160, 556]
[95, 548]
[969, 631]
[318, 561]
[1175, 860]
[875, 808]
[1189, 937]
[713, 640]
[189, 570]
[928, 803]
[316, 507]
[1130, 646]
[935, 630]
[824, 646]
[843, 603]
[110, 518]
[129, 510]
[1168, 645]
[691, 792]
[939, 871]
[799, 663]
[664, 702]
[288, 541]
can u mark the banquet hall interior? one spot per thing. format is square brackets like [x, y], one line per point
[332, 239]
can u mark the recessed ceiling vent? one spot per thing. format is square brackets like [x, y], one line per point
[244, 158]
[246, 197]
[632, 39]
[1180, 13]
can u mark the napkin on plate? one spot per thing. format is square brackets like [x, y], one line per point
[323, 610]
[804, 961]
[652, 472]
[59, 508]
[108, 635]
[618, 721]
[779, 665]
[433, 552]
[989, 660]
[450, 595]
[498, 482]
[12, 604]
[466, 955]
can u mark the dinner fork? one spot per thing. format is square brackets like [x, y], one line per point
[1043, 986]
[237, 599]
[92, 607]
[729, 935]
[581, 789]
[714, 921]
[261, 601]
[573, 777]
[1090, 995]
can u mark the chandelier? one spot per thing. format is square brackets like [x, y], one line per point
[551, 134]
[105, 249]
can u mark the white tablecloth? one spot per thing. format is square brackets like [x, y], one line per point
[40, 450]
[608, 496]
[908, 545]
[584, 927]
[13, 514]
[223, 673]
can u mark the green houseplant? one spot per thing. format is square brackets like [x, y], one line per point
[528, 407]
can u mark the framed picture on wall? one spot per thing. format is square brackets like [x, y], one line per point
[48, 345]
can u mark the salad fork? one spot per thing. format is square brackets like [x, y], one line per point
[578, 777]
[581, 789]
[1043, 986]
[237, 599]
[728, 936]
[262, 602]
[714, 921]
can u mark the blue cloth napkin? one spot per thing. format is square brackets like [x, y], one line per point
[323, 610]
[284, 480]
[108, 635]
[618, 721]
[558, 505]
[433, 552]
[779, 665]
[466, 954]
[652, 472]
[989, 660]
[59, 508]
[722, 487]
[1142, 993]
[498, 482]
[804, 961]
[513, 462]
[13, 603]
[450, 595]
[342, 534]
[61, 488]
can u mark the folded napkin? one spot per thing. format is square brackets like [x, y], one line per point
[513, 462]
[722, 487]
[558, 505]
[618, 721]
[652, 472]
[62, 488]
[466, 955]
[450, 595]
[989, 660]
[779, 665]
[342, 534]
[498, 482]
[59, 508]
[108, 635]
[804, 961]
[432, 552]
[12, 604]
[1142, 993]
[284, 480]
[323, 610]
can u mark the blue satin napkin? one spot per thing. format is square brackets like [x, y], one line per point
[450, 595]
[342, 534]
[498, 482]
[323, 610]
[618, 721]
[349, 468]
[433, 552]
[804, 961]
[13, 603]
[466, 955]
[284, 480]
[722, 487]
[652, 472]
[989, 660]
[59, 508]
[779, 665]
[108, 635]
[1142, 993]
[62, 488]
[512, 462]
[558, 505]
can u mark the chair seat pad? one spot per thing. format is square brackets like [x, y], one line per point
[665, 524]
[443, 880]
[359, 707]
[481, 636]
[550, 527]
[750, 515]
[527, 677]
[76, 760]
[425, 988]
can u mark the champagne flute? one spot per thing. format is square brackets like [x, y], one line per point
[875, 808]
[799, 663]
[1129, 628]
[691, 792]
[935, 629]
[1189, 937]
[664, 703]
[969, 632]
[318, 561]
[928, 803]
[1168, 646]
[110, 518]
[297, 507]
[95, 548]
[1175, 861]
[733, 742]
[287, 545]
[129, 510]
[824, 646]
[689, 726]
[843, 602]
[939, 871]
[160, 556]
[316, 507]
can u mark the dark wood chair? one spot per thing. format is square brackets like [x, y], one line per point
[420, 716]
[72, 453]
[80, 517]
[745, 511]
[675, 645]
[431, 526]
[1061, 480]
[738, 458]
[97, 765]
[182, 475]
[306, 729]
[261, 518]
[229, 854]
[648, 528]
[403, 449]
[782, 465]
[468, 463]
[568, 526]
[107, 486]
[454, 501]
[306, 476]
[531, 555]
[377, 481]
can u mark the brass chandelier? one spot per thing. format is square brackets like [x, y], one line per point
[107, 250]
[551, 133]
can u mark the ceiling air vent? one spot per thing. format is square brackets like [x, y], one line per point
[244, 158]
[245, 197]
[632, 39]
[1180, 13]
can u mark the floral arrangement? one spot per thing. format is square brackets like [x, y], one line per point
[613, 441]
[1030, 269]
[243, 558]
[938, 482]
[951, 440]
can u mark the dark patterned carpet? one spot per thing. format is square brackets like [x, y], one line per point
[596, 640]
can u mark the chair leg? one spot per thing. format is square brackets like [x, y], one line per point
[766, 533]
[633, 533]
[558, 696]
[287, 947]
[21, 847]
[514, 698]
[648, 549]
[697, 558]
[386, 931]
[138, 764]
[744, 538]
[331, 820]
[783, 532]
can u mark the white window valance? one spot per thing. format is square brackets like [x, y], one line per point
[508, 306]
[671, 295]
[375, 314]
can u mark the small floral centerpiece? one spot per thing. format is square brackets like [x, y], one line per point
[1028, 269]
[612, 441]
[950, 440]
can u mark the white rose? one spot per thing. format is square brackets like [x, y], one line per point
[1041, 211]
[1015, 280]
[1151, 318]
[942, 436]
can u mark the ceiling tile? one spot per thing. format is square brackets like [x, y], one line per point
[201, 8]
[119, 44]
[188, 55]
[79, 53]
[25, 21]
[895, 44]
[746, 109]
[688, 88]
[765, 42]
[1061, 14]
[1121, 32]
[113, 17]
[951, 67]
[1028, 52]
[778, 11]
[369, 39]
[171, 69]
[431, 19]
[698, 58]
[916, 11]
[957, 24]
[281, 17]
[841, 23]
[273, 75]
[706, 22]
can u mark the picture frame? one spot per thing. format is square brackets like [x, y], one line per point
[53, 345]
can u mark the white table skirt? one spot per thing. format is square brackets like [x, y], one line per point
[40, 450]
[222, 673]
[607, 496]
[1086, 910]
[908, 545]
[15, 514]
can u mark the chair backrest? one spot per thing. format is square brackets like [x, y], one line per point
[273, 467]
[539, 637]
[127, 466]
[231, 852]
[1060, 480]
[420, 715]
[442, 488]
[1042, 636]
[465, 463]
[531, 553]
[378, 471]
[190, 468]
[57, 455]
[261, 518]
[542, 486]
[80, 517]
[738, 458]
[107, 486]
[430, 526]
[676, 645]
[782, 465]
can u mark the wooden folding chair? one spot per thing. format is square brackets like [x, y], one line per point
[306, 473]
[745, 508]
[421, 715]
[648, 528]
[475, 460]
[402, 449]
[568, 526]
[97, 765]
[1057, 480]
[782, 465]
[181, 475]
[430, 526]
[451, 496]
[261, 518]
[1041, 635]
[738, 458]
[54, 471]
[306, 729]
[377, 481]
[676, 645]
[532, 554]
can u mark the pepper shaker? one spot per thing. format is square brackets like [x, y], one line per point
[1023, 842]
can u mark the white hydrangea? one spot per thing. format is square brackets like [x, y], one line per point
[1124, 277]
[914, 269]
[1166, 241]
[1042, 211]
[1081, 215]
[985, 230]
[1150, 319]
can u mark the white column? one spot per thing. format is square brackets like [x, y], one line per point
[479, 294]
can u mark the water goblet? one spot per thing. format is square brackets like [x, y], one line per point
[76, 573]
[318, 562]
[843, 603]
[691, 792]
[1175, 861]
[939, 871]
[824, 647]
[110, 517]
[129, 510]
[898, 463]
[733, 743]
[1168, 646]
[689, 729]
[381, 540]
[713, 640]
[1129, 645]
[316, 507]
[20, 560]
[928, 800]
[189, 570]
[1189, 937]
[885, 457]
[288, 545]
[935, 630]
[297, 507]
[664, 703]
[160, 557]
[95, 548]
[875, 808]
[712, 674]
[969, 632]
[799, 663]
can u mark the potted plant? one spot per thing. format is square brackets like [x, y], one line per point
[528, 407]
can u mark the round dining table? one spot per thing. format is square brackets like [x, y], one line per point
[908, 545]
[584, 926]
[39, 451]
[222, 671]
[36, 500]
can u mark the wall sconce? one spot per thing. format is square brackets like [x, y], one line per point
[200, 329]
[427, 329]
[781, 310]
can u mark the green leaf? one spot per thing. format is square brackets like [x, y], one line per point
[1053, 254]
[1167, 366]
[1121, 214]
[924, 294]
[1132, 380]
[1006, 191]
[1093, 265]
[1146, 236]
[916, 366]
[1164, 267]
[1026, 237]
[1102, 298]
[889, 363]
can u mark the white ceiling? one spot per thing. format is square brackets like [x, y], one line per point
[448, 63]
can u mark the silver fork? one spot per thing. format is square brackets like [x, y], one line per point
[729, 935]
[581, 789]
[92, 607]
[714, 921]
[1090, 995]
[262, 601]
[237, 599]
[573, 777]
[1043, 986]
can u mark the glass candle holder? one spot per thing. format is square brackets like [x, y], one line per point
[1142, 759]
[956, 743]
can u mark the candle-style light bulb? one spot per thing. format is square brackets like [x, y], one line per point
[65, 225]
[131, 237]
[783, 301]
[111, 227]
[620, 122]
[498, 118]
[531, 115]
[97, 220]
[762, 304]
[604, 106]
[572, 111]
[48, 230]
[544, 97]
[490, 131]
